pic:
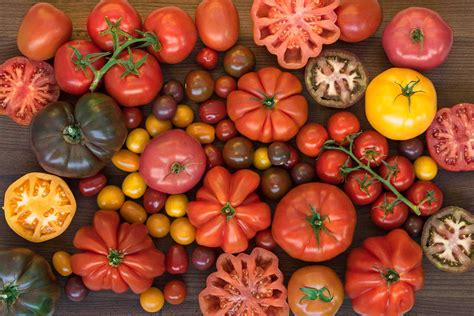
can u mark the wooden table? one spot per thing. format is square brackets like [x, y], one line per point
[443, 293]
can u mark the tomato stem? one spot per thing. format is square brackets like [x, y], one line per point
[72, 134]
[408, 90]
[312, 294]
[228, 211]
[177, 167]
[9, 294]
[391, 276]
[317, 223]
[417, 36]
[269, 102]
[115, 257]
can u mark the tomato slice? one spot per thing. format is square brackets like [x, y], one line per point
[26, 87]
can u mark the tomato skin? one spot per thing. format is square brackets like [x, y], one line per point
[203, 258]
[92, 185]
[133, 212]
[371, 147]
[238, 61]
[176, 32]
[110, 198]
[152, 300]
[422, 190]
[75, 289]
[264, 239]
[202, 132]
[126, 160]
[294, 158]
[176, 205]
[341, 125]
[153, 200]
[411, 148]
[400, 170]
[425, 168]
[261, 161]
[225, 130]
[183, 117]
[175, 292]
[302, 172]
[133, 117]
[175, 89]
[214, 156]
[328, 166]
[238, 153]
[358, 19]
[207, 58]
[43, 30]
[362, 188]
[387, 217]
[311, 138]
[182, 231]
[158, 225]
[224, 85]
[62, 263]
[212, 111]
[155, 127]
[199, 85]
[137, 140]
[177, 260]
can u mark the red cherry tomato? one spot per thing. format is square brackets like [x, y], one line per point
[153, 201]
[207, 58]
[362, 188]
[311, 138]
[294, 158]
[358, 19]
[328, 166]
[133, 117]
[341, 125]
[213, 156]
[427, 195]
[177, 260]
[388, 213]
[226, 130]
[92, 185]
[264, 239]
[371, 146]
[175, 292]
[400, 170]
[224, 85]
[212, 111]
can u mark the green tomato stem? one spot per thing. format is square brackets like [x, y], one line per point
[9, 294]
[228, 211]
[115, 257]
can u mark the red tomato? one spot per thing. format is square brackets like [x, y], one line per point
[387, 212]
[400, 171]
[265, 239]
[153, 201]
[207, 58]
[427, 195]
[175, 292]
[177, 260]
[341, 125]
[358, 19]
[311, 138]
[371, 146]
[299, 37]
[173, 162]
[294, 158]
[133, 90]
[212, 111]
[213, 156]
[328, 166]
[176, 32]
[92, 185]
[417, 38]
[225, 130]
[362, 188]
[133, 117]
[224, 85]
[112, 10]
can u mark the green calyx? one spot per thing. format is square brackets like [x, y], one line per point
[408, 90]
[73, 134]
[9, 294]
[269, 102]
[391, 276]
[115, 257]
[317, 224]
[417, 36]
[177, 168]
[312, 294]
[228, 211]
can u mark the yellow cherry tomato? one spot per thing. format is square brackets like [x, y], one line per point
[204, 133]
[133, 212]
[158, 225]
[137, 140]
[400, 103]
[126, 161]
[176, 205]
[182, 231]
[155, 126]
[110, 198]
[134, 186]
[183, 117]
[152, 300]
[62, 263]
[260, 159]
[425, 168]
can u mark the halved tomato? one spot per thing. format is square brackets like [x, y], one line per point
[39, 206]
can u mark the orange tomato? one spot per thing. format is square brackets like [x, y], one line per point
[183, 117]
[133, 212]
[62, 263]
[204, 133]
[155, 127]
[126, 161]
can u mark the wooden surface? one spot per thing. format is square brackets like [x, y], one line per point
[443, 293]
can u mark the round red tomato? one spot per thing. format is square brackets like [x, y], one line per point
[329, 164]
[207, 58]
[314, 222]
[341, 125]
[387, 212]
[212, 111]
[417, 38]
[172, 162]
[400, 171]
[311, 138]
[362, 187]
[176, 33]
[427, 196]
[358, 19]
[113, 10]
[133, 90]
[371, 147]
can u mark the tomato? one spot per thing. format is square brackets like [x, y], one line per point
[133, 117]
[315, 290]
[224, 85]
[175, 89]
[203, 258]
[371, 147]
[314, 222]
[341, 125]
[212, 111]
[110, 198]
[155, 127]
[42, 31]
[311, 138]
[294, 158]
[417, 38]
[362, 187]
[278, 153]
[175, 292]
[198, 85]
[298, 39]
[302, 172]
[183, 117]
[153, 200]
[238, 153]
[164, 107]
[414, 225]
[358, 19]
[175, 31]
[75, 289]
[71, 77]
[125, 160]
[214, 156]
[264, 239]
[383, 274]
[202, 132]
[207, 58]
[137, 140]
[92, 185]
[276, 182]
[62, 263]
[268, 105]
[27, 87]
[238, 61]
[133, 90]
[152, 300]
[158, 225]
[173, 162]
[133, 212]
[176, 205]
[425, 168]
[225, 130]
[182, 231]
[388, 212]
[400, 103]
[39, 206]
[449, 138]
[264, 294]
[113, 10]
[329, 164]
[177, 260]
[400, 171]
[411, 148]
[261, 161]
[427, 196]
[218, 24]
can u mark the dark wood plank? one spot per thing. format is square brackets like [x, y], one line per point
[443, 293]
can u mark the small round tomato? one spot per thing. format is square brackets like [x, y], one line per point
[278, 153]
[153, 200]
[202, 132]
[175, 89]
[329, 164]
[182, 231]
[388, 212]
[294, 158]
[92, 185]
[358, 19]
[175, 292]
[152, 300]
[311, 138]
[137, 139]
[213, 156]
[155, 127]
[177, 260]
[212, 111]
[425, 168]
[198, 85]
[400, 171]
[207, 58]
[203, 258]
[110, 198]
[224, 85]
[134, 186]
[238, 61]
[164, 107]
[75, 289]
[275, 183]
[264, 239]
[261, 161]
[133, 117]
[414, 225]
[183, 117]
[371, 147]
[302, 172]
[341, 125]
[412, 148]
[62, 263]
[238, 153]
[158, 225]
[126, 161]
[362, 187]
[226, 130]
[132, 212]
[176, 205]
[427, 196]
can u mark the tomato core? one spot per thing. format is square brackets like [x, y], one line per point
[417, 36]
[269, 102]
[228, 211]
[177, 167]
[391, 276]
[73, 134]
[9, 294]
[115, 257]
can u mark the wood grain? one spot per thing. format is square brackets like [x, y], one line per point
[443, 293]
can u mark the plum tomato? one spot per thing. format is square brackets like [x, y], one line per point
[62, 263]
[225, 130]
[183, 117]
[302, 172]
[198, 85]
[294, 158]
[152, 300]
[176, 205]
[158, 225]
[175, 89]
[182, 231]
[411, 148]
[110, 198]
[212, 111]
[203, 258]
[177, 260]
[175, 292]
[224, 85]
[358, 19]
[207, 58]
[155, 127]
[213, 156]
[264, 239]
[137, 140]
[362, 187]
[427, 196]
[311, 138]
[371, 147]
[261, 161]
[75, 289]
[275, 183]
[132, 212]
[202, 132]
[341, 125]
[414, 225]
[238, 61]
[92, 185]
[153, 201]
[278, 153]
[126, 161]
[425, 168]
[387, 212]
[329, 164]
[134, 185]
[133, 117]
[164, 107]
[399, 170]
[238, 153]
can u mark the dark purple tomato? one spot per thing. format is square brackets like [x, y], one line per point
[278, 153]
[203, 258]
[294, 158]
[224, 85]
[265, 239]
[164, 107]
[275, 183]
[207, 58]
[412, 148]
[212, 111]
[213, 156]
[414, 225]
[238, 61]
[133, 117]
[92, 185]
[175, 89]
[303, 172]
[225, 130]
[153, 201]
[199, 85]
[175, 292]
[177, 260]
[75, 289]
[238, 153]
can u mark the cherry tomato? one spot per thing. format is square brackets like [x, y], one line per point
[226, 130]
[132, 212]
[279, 153]
[207, 58]
[175, 292]
[125, 160]
[164, 107]
[213, 156]
[358, 19]
[198, 85]
[175, 89]
[414, 225]
[62, 263]
[176, 205]
[212, 111]
[294, 158]
[134, 186]
[182, 231]
[152, 300]
[133, 117]
[155, 127]
[238, 153]
[261, 161]
[302, 172]
[341, 125]
[275, 183]
[311, 138]
[183, 117]
[238, 61]
[110, 198]
[387, 212]
[204, 133]
[158, 225]
[224, 85]
[177, 260]
[92, 185]
[400, 171]
[264, 239]
[153, 200]
[137, 139]
[425, 168]
[329, 164]
[362, 188]
[427, 195]
[203, 258]
[412, 148]
[371, 146]
[75, 289]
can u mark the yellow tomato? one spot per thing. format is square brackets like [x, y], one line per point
[110, 198]
[152, 300]
[133, 212]
[176, 205]
[158, 225]
[134, 186]
[137, 140]
[400, 103]
[182, 231]
[425, 168]
[204, 133]
[260, 159]
[126, 161]
[183, 117]
[155, 126]
[62, 263]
